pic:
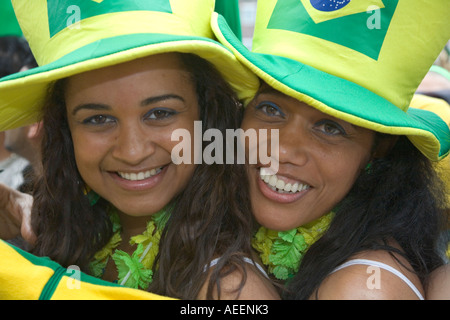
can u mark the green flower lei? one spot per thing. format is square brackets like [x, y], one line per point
[134, 271]
[283, 251]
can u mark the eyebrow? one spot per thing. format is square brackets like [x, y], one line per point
[144, 103]
[151, 100]
[90, 106]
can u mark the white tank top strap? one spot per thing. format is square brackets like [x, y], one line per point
[384, 267]
[246, 259]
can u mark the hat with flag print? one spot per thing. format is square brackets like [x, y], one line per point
[360, 61]
[9, 25]
[70, 37]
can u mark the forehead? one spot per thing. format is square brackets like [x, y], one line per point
[160, 62]
[154, 75]
[266, 89]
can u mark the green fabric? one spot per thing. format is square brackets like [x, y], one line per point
[59, 272]
[230, 10]
[38, 261]
[288, 13]
[8, 22]
[103, 48]
[434, 123]
[61, 12]
[52, 284]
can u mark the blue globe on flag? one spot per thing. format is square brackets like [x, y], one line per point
[329, 5]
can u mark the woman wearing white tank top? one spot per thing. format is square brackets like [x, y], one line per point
[347, 144]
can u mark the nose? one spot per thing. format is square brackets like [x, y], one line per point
[133, 144]
[294, 144]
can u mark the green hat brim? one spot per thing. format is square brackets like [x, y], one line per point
[23, 94]
[339, 97]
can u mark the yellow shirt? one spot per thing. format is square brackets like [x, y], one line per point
[24, 276]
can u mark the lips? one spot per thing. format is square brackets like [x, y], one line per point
[278, 185]
[139, 180]
[281, 189]
[137, 176]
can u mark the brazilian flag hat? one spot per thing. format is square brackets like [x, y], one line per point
[9, 25]
[357, 60]
[69, 37]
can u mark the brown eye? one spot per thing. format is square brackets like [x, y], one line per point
[270, 109]
[330, 128]
[98, 120]
[159, 114]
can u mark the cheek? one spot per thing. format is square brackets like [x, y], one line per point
[251, 144]
[88, 154]
[341, 173]
[247, 121]
[182, 172]
[182, 141]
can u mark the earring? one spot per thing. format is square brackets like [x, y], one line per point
[92, 196]
[368, 167]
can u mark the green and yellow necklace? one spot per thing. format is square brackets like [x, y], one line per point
[280, 251]
[134, 271]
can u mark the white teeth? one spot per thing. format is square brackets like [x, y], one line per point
[280, 186]
[273, 180]
[140, 175]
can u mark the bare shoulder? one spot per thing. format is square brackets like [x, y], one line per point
[256, 286]
[439, 284]
[370, 281]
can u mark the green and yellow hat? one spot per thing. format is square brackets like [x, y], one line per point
[9, 25]
[71, 37]
[360, 61]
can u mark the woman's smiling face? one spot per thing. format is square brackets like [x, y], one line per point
[320, 158]
[121, 119]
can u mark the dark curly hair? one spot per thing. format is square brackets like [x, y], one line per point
[399, 198]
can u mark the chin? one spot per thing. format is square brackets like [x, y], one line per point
[276, 223]
[140, 210]
[279, 220]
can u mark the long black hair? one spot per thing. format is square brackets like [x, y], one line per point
[398, 198]
[69, 230]
[212, 217]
